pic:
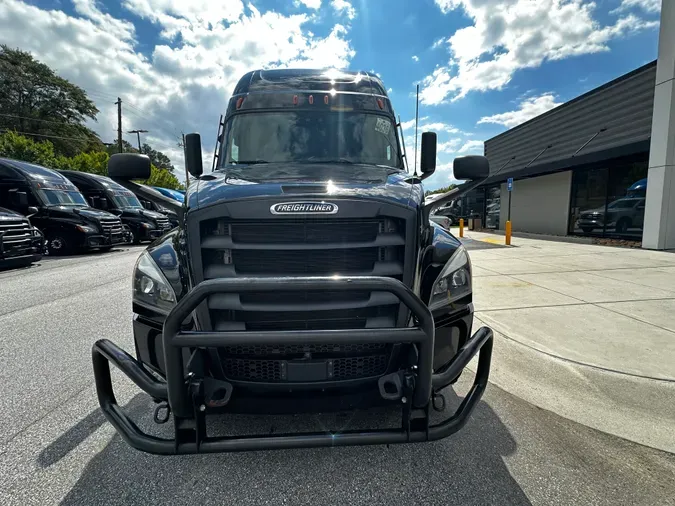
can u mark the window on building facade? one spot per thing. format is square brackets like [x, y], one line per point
[609, 200]
[492, 206]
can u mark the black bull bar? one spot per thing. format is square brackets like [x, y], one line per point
[180, 391]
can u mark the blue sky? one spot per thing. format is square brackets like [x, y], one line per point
[483, 65]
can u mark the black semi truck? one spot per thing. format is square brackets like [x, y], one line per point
[103, 193]
[306, 276]
[21, 244]
[60, 211]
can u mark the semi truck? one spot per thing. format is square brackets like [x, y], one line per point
[60, 211]
[21, 244]
[306, 276]
[103, 193]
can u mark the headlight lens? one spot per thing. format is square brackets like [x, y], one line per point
[454, 281]
[151, 288]
[147, 225]
[86, 229]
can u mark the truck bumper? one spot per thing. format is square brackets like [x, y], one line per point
[191, 398]
[14, 255]
[102, 241]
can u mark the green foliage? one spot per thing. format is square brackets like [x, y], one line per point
[13, 145]
[157, 158]
[445, 189]
[37, 102]
[19, 147]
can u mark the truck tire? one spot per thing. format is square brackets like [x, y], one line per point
[57, 245]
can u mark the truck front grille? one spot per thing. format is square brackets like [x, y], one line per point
[112, 225]
[16, 236]
[297, 247]
[163, 223]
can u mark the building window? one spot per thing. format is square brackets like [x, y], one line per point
[492, 206]
[609, 201]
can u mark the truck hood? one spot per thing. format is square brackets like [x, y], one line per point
[142, 213]
[9, 215]
[308, 180]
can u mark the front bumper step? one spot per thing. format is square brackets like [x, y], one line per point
[190, 398]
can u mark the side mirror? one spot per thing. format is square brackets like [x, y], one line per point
[128, 166]
[19, 199]
[471, 167]
[32, 211]
[193, 154]
[103, 202]
[428, 154]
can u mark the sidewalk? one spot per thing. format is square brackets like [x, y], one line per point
[585, 331]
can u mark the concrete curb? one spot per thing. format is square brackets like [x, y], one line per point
[638, 409]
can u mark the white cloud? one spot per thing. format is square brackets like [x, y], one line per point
[390, 91]
[180, 84]
[310, 4]
[415, 58]
[510, 35]
[344, 7]
[651, 6]
[528, 109]
[424, 125]
[438, 43]
[475, 147]
[449, 146]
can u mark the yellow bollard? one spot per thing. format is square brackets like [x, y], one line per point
[508, 233]
[461, 227]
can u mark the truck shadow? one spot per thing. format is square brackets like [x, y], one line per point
[467, 468]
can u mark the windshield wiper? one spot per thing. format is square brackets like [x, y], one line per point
[313, 159]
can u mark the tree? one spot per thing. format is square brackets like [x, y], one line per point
[158, 159]
[19, 147]
[445, 189]
[36, 102]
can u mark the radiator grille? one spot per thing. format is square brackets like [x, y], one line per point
[303, 246]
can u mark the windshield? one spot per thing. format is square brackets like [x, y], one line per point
[126, 200]
[55, 197]
[308, 136]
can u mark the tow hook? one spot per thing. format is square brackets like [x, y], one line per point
[162, 413]
[438, 402]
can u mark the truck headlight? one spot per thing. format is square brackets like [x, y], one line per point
[151, 289]
[147, 225]
[86, 229]
[454, 281]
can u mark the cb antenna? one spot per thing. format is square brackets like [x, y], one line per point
[417, 109]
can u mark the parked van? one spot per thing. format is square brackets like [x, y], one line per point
[103, 193]
[61, 211]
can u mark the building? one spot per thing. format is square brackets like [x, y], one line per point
[600, 165]
[578, 169]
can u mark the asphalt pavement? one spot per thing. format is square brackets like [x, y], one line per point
[56, 447]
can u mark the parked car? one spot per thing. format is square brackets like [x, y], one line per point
[21, 243]
[104, 193]
[174, 194]
[622, 214]
[60, 211]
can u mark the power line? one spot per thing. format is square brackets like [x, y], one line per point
[38, 119]
[50, 136]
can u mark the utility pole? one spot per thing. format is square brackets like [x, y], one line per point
[187, 174]
[138, 134]
[417, 115]
[119, 123]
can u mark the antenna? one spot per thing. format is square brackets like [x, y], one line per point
[417, 109]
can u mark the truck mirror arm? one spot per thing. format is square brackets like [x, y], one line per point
[152, 195]
[451, 195]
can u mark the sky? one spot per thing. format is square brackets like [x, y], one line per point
[483, 66]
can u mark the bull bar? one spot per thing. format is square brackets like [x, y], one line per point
[186, 398]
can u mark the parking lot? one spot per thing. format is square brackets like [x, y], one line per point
[55, 446]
